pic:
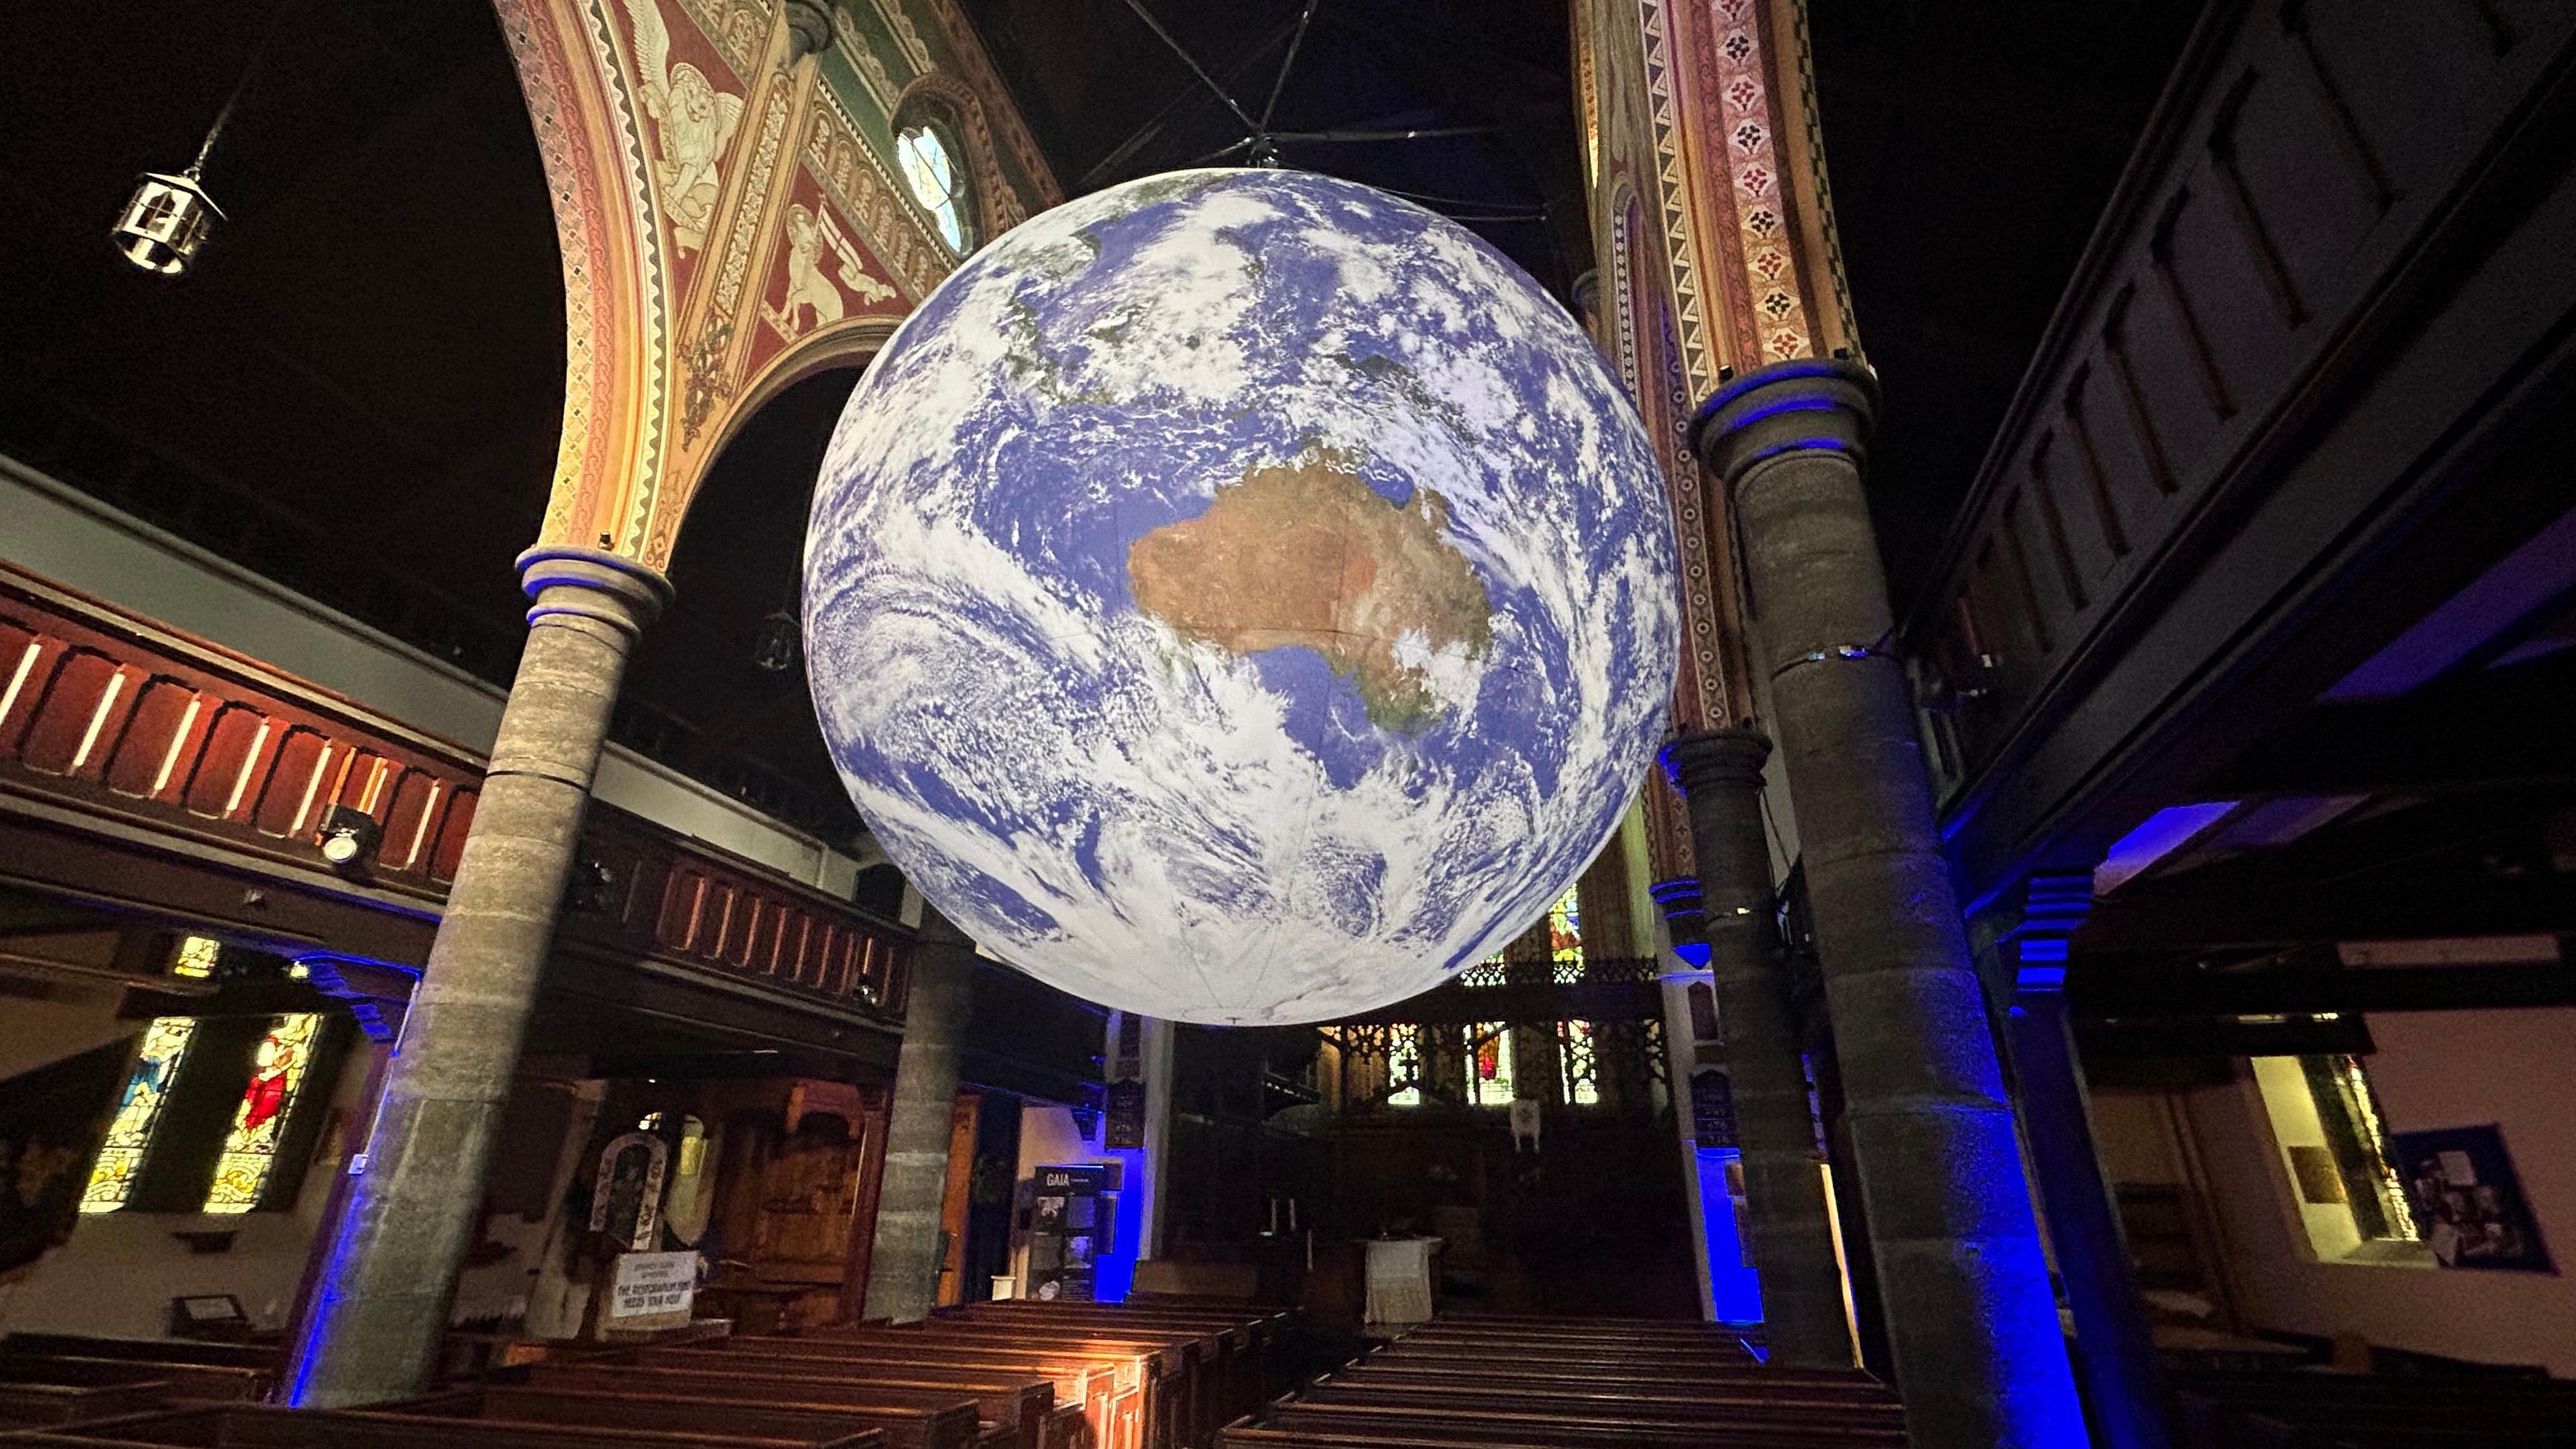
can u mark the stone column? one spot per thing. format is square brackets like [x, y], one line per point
[380, 1306]
[1971, 1321]
[2116, 1358]
[1154, 1201]
[903, 1269]
[1788, 1221]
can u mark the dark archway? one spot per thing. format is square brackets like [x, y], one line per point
[705, 693]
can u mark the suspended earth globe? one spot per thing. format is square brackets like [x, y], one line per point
[1240, 597]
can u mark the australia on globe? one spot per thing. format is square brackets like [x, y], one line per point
[1240, 597]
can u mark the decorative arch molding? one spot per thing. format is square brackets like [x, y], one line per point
[854, 343]
[851, 344]
[945, 96]
[607, 226]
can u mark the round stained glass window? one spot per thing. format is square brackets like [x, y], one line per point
[930, 169]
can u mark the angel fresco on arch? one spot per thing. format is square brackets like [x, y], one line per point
[696, 120]
[809, 234]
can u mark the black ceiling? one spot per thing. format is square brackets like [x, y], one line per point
[1971, 147]
[1110, 100]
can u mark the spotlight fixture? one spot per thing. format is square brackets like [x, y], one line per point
[349, 839]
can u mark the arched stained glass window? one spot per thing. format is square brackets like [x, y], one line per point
[1404, 1066]
[938, 182]
[165, 1046]
[1579, 1057]
[1489, 1065]
[1565, 939]
[250, 1150]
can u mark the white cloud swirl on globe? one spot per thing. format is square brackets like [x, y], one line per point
[1146, 818]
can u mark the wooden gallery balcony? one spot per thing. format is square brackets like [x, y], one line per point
[164, 783]
[2256, 441]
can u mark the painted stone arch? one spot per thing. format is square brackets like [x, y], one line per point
[852, 344]
[617, 292]
[947, 102]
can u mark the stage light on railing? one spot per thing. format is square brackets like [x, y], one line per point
[349, 839]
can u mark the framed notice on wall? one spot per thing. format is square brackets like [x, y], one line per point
[1126, 1119]
[2468, 1201]
[651, 1290]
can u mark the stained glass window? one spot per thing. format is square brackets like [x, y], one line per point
[1489, 1065]
[1488, 972]
[260, 1121]
[196, 956]
[2357, 1136]
[1579, 1056]
[1404, 1066]
[931, 171]
[130, 1135]
[1565, 940]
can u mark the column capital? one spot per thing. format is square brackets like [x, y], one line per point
[1586, 293]
[2053, 907]
[592, 583]
[1685, 918]
[809, 28]
[1811, 404]
[1717, 759]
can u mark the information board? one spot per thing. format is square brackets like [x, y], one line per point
[652, 1290]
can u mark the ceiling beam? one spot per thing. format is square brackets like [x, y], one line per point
[2309, 990]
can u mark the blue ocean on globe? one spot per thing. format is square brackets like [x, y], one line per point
[1241, 597]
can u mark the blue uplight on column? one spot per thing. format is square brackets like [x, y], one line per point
[1734, 1289]
[1113, 1272]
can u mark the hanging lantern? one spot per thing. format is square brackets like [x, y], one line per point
[166, 222]
[779, 646]
[162, 228]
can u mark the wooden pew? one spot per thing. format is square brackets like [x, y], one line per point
[1594, 1385]
[1166, 1366]
[1017, 1406]
[1395, 1357]
[24, 1405]
[1751, 1408]
[1246, 1435]
[1631, 1387]
[259, 1365]
[154, 1350]
[259, 1426]
[949, 1423]
[1228, 1350]
[1254, 1334]
[1489, 1425]
[182, 1380]
[1156, 1371]
[1112, 1410]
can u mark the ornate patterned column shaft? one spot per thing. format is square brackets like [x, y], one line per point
[1788, 1222]
[380, 1307]
[1970, 1316]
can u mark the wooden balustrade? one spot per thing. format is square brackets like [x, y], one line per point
[113, 725]
[2311, 185]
